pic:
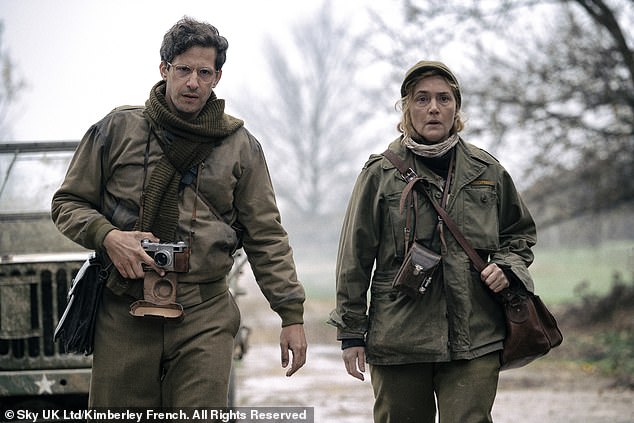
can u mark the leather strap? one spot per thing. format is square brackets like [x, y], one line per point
[410, 177]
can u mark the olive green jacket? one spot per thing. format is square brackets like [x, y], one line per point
[102, 191]
[458, 317]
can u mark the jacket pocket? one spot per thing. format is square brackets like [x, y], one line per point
[480, 216]
[400, 327]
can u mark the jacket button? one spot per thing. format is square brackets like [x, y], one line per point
[438, 195]
[484, 198]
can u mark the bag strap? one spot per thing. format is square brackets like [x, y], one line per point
[410, 177]
[478, 263]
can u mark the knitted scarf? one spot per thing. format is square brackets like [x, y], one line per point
[185, 144]
[431, 150]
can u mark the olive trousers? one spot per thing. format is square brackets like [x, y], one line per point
[150, 362]
[463, 389]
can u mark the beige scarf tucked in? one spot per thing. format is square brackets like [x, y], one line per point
[431, 150]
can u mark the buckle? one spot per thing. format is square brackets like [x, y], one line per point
[409, 175]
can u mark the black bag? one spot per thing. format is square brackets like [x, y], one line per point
[417, 271]
[531, 330]
[76, 329]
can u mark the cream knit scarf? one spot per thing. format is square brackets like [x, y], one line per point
[430, 150]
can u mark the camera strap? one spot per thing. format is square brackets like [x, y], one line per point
[146, 160]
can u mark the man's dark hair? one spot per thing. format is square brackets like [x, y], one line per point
[188, 33]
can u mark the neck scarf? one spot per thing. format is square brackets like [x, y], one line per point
[431, 150]
[185, 144]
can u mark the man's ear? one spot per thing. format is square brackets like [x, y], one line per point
[218, 78]
[163, 70]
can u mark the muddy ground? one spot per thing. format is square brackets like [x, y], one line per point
[550, 390]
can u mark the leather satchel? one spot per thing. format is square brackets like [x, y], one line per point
[76, 328]
[417, 271]
[531, 329]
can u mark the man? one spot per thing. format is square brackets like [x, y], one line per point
[177, 170]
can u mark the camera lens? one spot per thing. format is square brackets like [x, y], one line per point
[162, 258]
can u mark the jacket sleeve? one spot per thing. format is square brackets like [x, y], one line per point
[265, 239]
[517, 233]
[75, 205]
[358, 248]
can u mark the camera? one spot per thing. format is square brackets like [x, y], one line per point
[159, 292]
[171, 257]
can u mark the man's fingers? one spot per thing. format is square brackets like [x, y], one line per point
[295, 355]
[293, 340]
[298, 361]
[284, 351]
[125, 251]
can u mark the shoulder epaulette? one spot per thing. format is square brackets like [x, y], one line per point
[372, 159]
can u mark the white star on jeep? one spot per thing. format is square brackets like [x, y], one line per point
[45, 385]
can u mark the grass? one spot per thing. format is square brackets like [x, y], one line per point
[557, 272]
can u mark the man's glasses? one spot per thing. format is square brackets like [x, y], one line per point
[206, 75]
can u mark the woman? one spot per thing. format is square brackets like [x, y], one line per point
[444, 343]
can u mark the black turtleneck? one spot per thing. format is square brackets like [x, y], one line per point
[438, 165]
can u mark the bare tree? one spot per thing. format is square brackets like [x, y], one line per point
[553, 80]
[10, 86]
[315, 125]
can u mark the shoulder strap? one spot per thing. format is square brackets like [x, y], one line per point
[409, 175]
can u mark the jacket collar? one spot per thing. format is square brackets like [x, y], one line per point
[471, 161]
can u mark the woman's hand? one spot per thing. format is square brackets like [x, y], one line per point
[494, 278]
[354, 359]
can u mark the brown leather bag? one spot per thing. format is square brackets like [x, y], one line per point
[417, 271]
[531, 330]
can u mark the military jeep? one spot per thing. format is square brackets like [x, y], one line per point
[37, 265]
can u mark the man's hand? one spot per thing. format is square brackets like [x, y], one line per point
[494, 278]
[293, 339]
[125, 251]
[354, 359]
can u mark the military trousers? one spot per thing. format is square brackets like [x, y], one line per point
[462, 391]
[150, 362]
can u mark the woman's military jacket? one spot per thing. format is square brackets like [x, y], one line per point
[102, 191]
[458, 317]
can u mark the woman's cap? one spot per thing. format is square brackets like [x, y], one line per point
[425, 66]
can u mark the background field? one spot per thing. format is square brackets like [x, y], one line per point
[559, 271]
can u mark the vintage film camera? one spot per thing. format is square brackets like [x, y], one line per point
[159, 292]
[169, 257]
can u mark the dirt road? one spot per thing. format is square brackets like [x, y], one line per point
[546, 391]
[540, 393]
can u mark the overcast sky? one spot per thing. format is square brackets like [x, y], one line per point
[80, 58]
